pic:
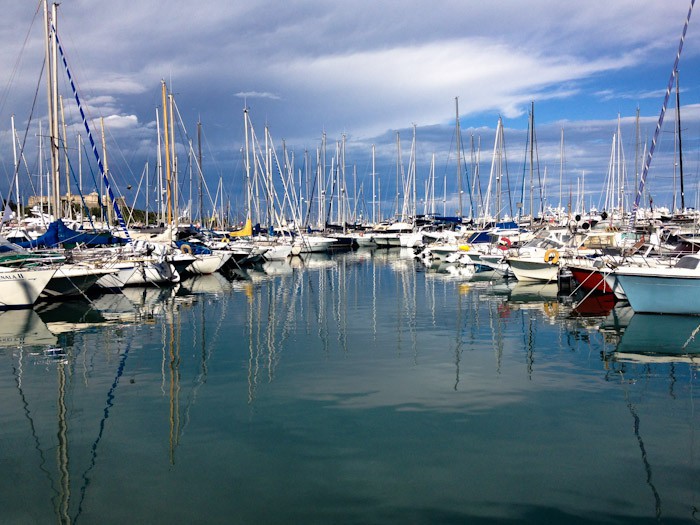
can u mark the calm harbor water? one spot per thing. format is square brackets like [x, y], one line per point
[358, 388]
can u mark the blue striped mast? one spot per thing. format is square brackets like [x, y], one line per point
[647, 161]
[105, 178]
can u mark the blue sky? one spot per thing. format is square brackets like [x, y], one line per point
[368, 70]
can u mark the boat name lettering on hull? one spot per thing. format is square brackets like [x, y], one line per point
[13, 277]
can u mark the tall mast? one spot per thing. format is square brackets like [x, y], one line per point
[69, 199]
[200, 171]
[650, 155]
[414, 174]
[173, 162]
[374, 193]
[16, 166]
[159, 170]
[459, 158]
[106, 168]
[532, 163]
[249, 188]
[636, 149]
[561, 165]
[398, 164]
[680, 147]
[168, 203]
[52, 92]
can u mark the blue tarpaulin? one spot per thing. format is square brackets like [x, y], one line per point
[58, 233]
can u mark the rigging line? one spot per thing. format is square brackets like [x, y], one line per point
[24, 140]
[115, 204]
[109, 404]
[647, 162]
[11, 77]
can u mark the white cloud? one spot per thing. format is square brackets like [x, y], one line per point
[256, 94]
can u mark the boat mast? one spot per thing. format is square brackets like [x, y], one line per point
[69, 200]
[647, 162]
[106, 169]
[561, 167]
[532, 163]
[636, 149]
[175, 178]
[15, 166]
[398, 168]
[680, 147]
[249, 188]
[201, 173]
[374, 193]
[168, 195]
[459, 159]
[51, 90]
[159, 169]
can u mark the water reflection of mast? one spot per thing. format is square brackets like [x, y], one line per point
[406, 278]
[340, 305]
[458, 342]
[374, 298]
[27, 413]
[647, 466]
[173, 332]
[95, 444]
[62, 449]
[207, 348]
[253, 364]
[321, 313]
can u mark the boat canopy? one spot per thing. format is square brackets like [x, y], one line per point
[59, 234]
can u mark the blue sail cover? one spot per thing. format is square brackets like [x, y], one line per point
[59, 234]
[195, 248]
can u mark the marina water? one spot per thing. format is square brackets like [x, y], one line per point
[356, 388]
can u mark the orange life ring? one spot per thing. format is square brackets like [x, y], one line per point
[551, 256]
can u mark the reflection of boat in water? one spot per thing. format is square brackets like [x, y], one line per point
[595, 305]
[313, 261]
[277, 267]
[205, 284]
[533, 292]
[134, 303]
[660, 338]
[617, 320]
[450, 271]
[24, 327]
[69, 316]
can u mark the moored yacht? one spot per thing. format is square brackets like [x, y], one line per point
[663, 290]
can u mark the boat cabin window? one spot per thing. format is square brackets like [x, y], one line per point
[689, 263]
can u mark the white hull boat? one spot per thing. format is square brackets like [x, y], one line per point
[208, 263]
[74, 279]
[22, 287]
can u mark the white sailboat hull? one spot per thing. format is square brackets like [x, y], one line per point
[20, 288]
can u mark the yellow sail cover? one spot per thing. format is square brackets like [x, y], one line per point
[246, 231]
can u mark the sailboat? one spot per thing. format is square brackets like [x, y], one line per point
[22, 287]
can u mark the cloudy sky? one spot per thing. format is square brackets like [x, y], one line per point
[367, 70]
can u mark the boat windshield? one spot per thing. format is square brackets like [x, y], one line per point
[688, 262]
